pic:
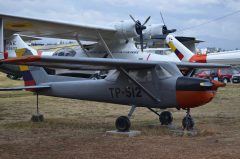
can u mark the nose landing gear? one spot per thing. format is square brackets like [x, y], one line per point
[188, 122]
[166, 118]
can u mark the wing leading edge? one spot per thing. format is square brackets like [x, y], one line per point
[54, 29]
[69, 62]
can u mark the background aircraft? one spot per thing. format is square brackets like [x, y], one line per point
[149, 84]
[184, 54]
[119, 36]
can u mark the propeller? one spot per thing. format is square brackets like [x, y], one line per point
[165, 30]
[139, 28]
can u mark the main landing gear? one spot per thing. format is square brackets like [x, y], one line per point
[37, 117]
[165, 117]
[187, 121]
[123, 123]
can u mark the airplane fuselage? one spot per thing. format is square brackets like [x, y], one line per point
[168, 91]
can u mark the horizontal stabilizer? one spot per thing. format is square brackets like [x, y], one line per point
[24, 87]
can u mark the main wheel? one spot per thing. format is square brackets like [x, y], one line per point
[188, 123]
[166, 118]
[123, 123]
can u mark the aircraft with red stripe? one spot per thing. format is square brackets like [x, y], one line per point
[185, 55]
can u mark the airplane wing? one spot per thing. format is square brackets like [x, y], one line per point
[45, 28]
[23, 88]
[191, 65]
[69, 62]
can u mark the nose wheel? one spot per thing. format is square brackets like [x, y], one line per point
[188, 122]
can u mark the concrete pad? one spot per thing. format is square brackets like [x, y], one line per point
[130, 133]
[176, 130]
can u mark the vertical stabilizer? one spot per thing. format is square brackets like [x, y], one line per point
[182, 52]
[31, 75]
[14, 43]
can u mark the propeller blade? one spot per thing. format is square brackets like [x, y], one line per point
[172, 30]
[132, 18]
[146, 20]
[141, 41]
[162, 18]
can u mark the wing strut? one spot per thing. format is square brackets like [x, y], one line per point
[81, 45]
[1, 39]
[126, 73]
[105, 45]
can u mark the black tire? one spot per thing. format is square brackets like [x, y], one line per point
[123, 124]
[188, 123]
[166, 118]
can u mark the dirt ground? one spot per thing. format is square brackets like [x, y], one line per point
[76, 129]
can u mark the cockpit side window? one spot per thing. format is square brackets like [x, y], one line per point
[162, 73]
[144, 75]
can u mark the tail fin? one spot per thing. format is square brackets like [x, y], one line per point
[182, 52]
[31, 75]
[16, 42]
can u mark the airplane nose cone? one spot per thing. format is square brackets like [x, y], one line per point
[193, 92]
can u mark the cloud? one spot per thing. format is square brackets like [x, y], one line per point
[54, 10]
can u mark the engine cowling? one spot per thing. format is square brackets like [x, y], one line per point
[126, 29]
[152, 30]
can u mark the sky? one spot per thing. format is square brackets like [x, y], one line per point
[178, 14]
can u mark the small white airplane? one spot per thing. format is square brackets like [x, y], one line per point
[16, 42]
[184, 54]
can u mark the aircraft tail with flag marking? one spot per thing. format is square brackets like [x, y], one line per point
[185, 55]
[29, 71]
[13, 43]
[182, 52]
